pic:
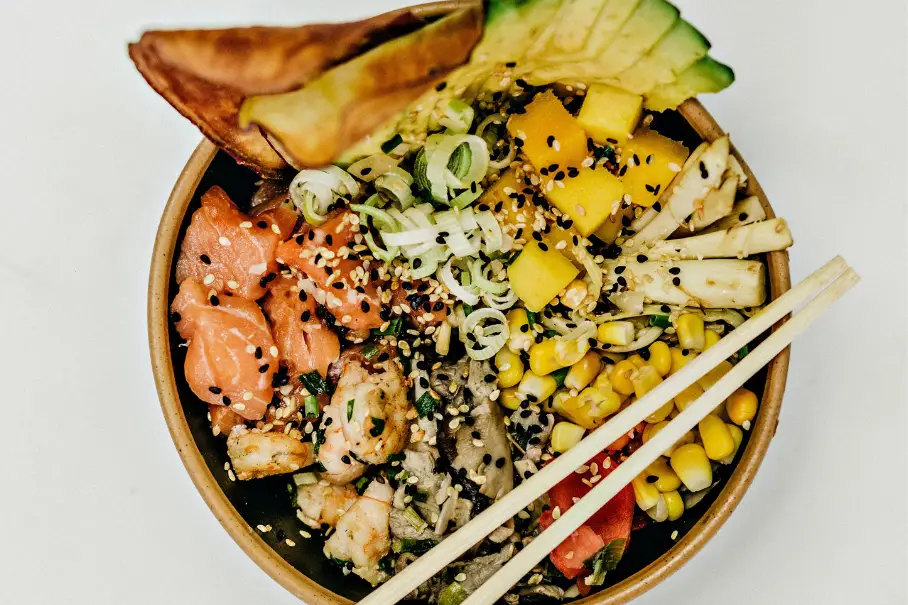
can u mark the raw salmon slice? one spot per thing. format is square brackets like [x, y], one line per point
[227, 251]
[231, 356]
[304, 342]
[325, 255]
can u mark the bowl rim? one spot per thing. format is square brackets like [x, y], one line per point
[313, 593]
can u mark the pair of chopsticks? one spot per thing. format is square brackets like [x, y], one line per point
[822, 288]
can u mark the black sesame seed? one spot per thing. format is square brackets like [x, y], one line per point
[657, 207]
[215, 301]
[665, 309]
[383, 356]
[338, 285]
[620, 269]
[641, 258]
[685, 352]
[311, 235]
[543, 247]
[704, 173]
[572, 172]
[175, 317]
[623, 170]
[303, 296]
[263, 368]
[226, 400]
[676, 281]
[500, 462]
[742, 216]
[652, 479]
[306, 315]
[526, 413]
[675, 270]
[423, 382]
[475, 434]
[441, 86]
[258, 352]
[559, 176]
[622, 282]
[205, 259]
[487, 458]
[215, 390]
[345, 459]
[262, 224]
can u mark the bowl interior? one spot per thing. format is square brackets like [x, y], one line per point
[270, 501]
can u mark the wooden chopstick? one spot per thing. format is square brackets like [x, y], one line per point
[403, 583]
[605, 490]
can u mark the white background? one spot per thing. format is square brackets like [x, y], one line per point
[95, 506]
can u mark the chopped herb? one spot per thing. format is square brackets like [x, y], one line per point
[453, 594]
[467, 309]
[370, 350]
[361, 484]
[426, 404]
[378, 426]
[743, 351]
[393, 328]
[386, 564]
[559, 376]
[314, 382]
[311, 407]
[606, 560]
[350, 405]
[532, 318]
[550, 334]
[417, 547]
[392, 143]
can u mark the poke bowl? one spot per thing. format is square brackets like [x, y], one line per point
[260, 510]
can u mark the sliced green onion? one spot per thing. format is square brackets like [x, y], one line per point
[467, 309]
[743, 351]
[660, 321]
[314, 383]
[417, 547]
[350, 405]
[453, 594]
[392, 143]
[426, 405]
[393, 328]
[378, 426]
[458, 116]
[362, 483]
[477, 271]
[369, 350]
[311, 406]
[559, 376]
[489, 328]
[606, 560]
[415, 521]
[301, 479]
[466, 198]
[532, 318]
[370, 168]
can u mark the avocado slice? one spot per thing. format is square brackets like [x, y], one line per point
[652, 20]
[576, 26]
[677, 50]
[706, 75]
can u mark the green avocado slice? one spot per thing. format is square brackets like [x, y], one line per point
[706, 75]
[677, 50]
[652, 20]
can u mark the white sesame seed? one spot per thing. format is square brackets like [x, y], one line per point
[246, 224]
[675, 535]
[290, 542]
[223, 241]
[238, 406]
[305, 534]
[460, 577]
[263, 528]
[209, 279]
[247, 395]
[275, 228]
[250, 349]
[233, 284]
[258, 269]
[231, 476]
[273, 350]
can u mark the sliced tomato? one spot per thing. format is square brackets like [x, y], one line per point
[569, 556]
[611, 522]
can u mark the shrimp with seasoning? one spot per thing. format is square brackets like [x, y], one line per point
[362, 535]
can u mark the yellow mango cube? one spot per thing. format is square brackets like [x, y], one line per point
[509, 211]
[549, 133]
[588, 198]
[610, 113]
[609, 230]
[539, 274]
[649, 162]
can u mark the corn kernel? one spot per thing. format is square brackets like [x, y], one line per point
[659, 512]
[685, 398]
[556, 403]
[675, 504]
[646, 493]
[716, 438]
[591, 407]
[509, 399]
[569, 352]
[651, 430]
[520, 338]
[583, 372]
[712, 337]
[620, 377]
[738, 435]
[510, 368]
[540, 387]
[542, 357]
[679, 359]
[566, 435]
[660, 357]
[713, 376]
[612, 357]
[574, 294]
[645, 379]
[666, 479]
[691, 331]
[691, 464]
[616, 333]
[662, 413]
[741, 406]
[637, 360]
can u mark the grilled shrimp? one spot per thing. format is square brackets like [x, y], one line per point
[323, 504]
[374, 406]
[255, 455]
[334, 452]
[362, 536]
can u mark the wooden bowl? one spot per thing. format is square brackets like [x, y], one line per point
[303, 570]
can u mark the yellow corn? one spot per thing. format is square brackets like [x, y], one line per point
[540, 387]
[738, 436]
[591, 407]
[662, 413]
[637, 360]
[659, 512]
[616, 333]
[646, 493]
[645, 380]
[712, 337]
[691, 464]
[583, 372]
[716, 438]
[713, 376]
[521, 336]
[688, 396]
[542, 357]
[613, 357]
[510, 368]
[574, 294]
[679, 359]
[569, 352]
[660, 357]
[508, 399]
[666, 479]
[556, 403]
[566, 435]
[651, 430]
[691, 331]
[620, 377]
[675, 504]
[741, 406]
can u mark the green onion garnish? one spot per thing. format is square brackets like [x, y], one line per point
[417, 547]
[391, 144]
[559, 376]
[467, 309]
[743, 351]
[361, 484]
[370, 350]
[311, 407]
[393, 328]
[660, 321]
[415, 521]
[606, 560]
[426, 405]
[453, 594]
[532, 318]
[378, 426]
[314, 383]
[350, 405]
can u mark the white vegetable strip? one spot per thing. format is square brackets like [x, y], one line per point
[645, 338]
[463, 293]
[740, 242]
[748, 210]
[490, 328]
[717, 204]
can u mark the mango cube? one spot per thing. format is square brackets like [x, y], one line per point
[539, 274]
[649, 162]
[610, 113]
[588, 198]
[549, 133]
[509, 213]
